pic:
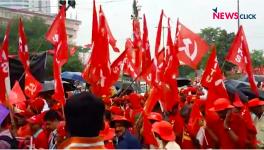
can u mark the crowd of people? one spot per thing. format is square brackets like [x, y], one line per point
[86, 121]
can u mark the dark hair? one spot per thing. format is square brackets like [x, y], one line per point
[52, 115]
[84, 114]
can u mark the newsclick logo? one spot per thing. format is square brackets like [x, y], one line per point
[231, 15]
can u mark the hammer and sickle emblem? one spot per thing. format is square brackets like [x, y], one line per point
[31, 88]
[187, 42]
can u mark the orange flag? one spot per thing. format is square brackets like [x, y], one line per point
[16, 95]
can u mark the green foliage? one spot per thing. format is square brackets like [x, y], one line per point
[73, 64]
[257, 58]
[222, 40]
[186, 71]
[35, 30]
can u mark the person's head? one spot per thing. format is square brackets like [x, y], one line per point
[154, 117]
[256, 106]
[36, 105]
[164, 130]
[35, 122]
[120, 124]
[84, 115]
[51, 119]
[221, 107]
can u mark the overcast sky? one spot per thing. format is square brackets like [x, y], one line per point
[195, 14]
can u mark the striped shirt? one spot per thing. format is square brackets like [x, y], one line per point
[82, 143]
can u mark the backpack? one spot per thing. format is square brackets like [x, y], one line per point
[12, 141]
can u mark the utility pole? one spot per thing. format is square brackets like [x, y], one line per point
[238, 20]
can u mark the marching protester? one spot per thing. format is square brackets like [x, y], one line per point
[165, 135]
[84, 118]
[123, 139]
[40, 135]
[256, 106]
[52, 119]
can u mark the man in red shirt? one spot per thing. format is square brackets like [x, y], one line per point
[228, 130]
[40, 136]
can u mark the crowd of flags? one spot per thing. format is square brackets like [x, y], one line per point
[160, 72]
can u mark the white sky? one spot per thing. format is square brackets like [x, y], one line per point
[195, 14]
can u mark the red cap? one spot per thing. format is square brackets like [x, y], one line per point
[255, 102]
[155, 116]
[36, 119]
[164, 129]
[118, 118]
[221, 104]
[108, 133]
[116, 110]
[37, 103]
[237, 102]
[135, 99]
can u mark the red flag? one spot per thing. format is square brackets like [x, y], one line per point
[4, 67]
[146, 57]
[191, 46]
[152, 100]
[239, 55]
[58, 85]
[116, 67]
[212, 79]
[172, 61]
[95, 24]
[168, 86]
[16, 95]
[22, 46]
[58, 37]
[148, 135]
[158, 36]
[129, 63]
[111, 38]
[137, 45]
[212, 75]
[98, 70]
[32, 86]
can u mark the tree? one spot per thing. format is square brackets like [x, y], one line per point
[35, 29]
[222, 40]
[257, 57]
